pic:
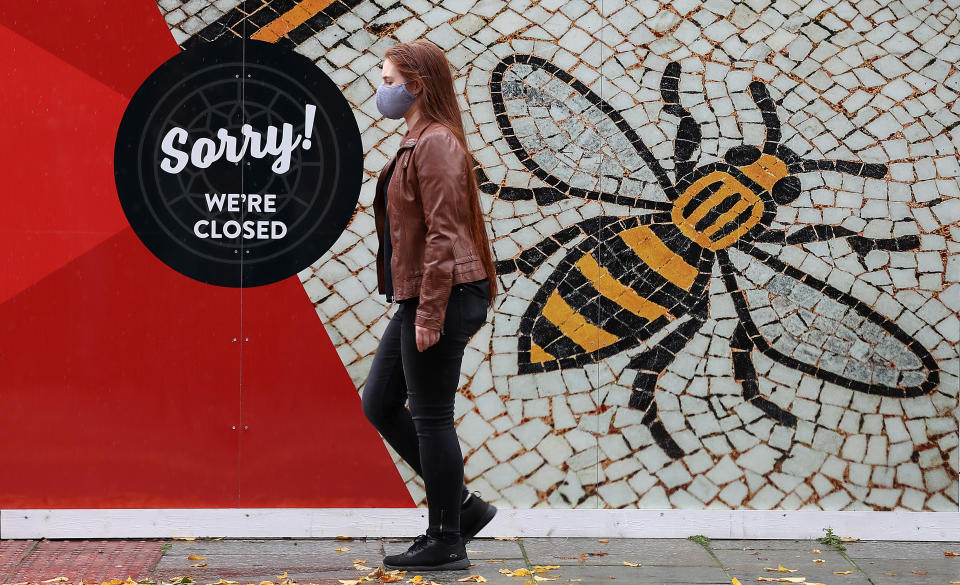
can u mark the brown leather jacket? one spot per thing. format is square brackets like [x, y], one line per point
[429, 233]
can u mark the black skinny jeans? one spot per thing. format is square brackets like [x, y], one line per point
[425, 435]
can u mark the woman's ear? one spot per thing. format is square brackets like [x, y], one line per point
[415, 87]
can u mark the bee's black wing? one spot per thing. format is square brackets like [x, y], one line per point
[809, 325]
[571, 138]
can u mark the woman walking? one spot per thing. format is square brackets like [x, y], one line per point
[434, 260]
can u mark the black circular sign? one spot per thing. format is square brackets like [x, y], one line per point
[238, 162]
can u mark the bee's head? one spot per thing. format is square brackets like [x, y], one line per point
[766, 170]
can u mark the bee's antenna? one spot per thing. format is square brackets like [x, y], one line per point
[768, 108]
[860, 169]
[688, 132]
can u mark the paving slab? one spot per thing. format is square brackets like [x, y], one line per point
[929, 571]
[95, 560]
[669, 552]
[644, 575]
[273, 546]
[892, 549]
[746, 544]
[11, 553]
[748, 565]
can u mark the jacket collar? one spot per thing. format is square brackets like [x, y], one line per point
[414, 132]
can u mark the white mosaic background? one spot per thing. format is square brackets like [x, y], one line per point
[862, 81]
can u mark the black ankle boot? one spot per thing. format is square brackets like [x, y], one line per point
[431, 553]
[474, 515]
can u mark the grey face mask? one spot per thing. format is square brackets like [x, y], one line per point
[393, 101]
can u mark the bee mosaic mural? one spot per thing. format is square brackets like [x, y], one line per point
[727, 242]
[633, 276]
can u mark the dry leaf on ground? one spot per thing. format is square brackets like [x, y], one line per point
[342, 549]
[603, 540]
[521, 572]
[198, 564]
[474, 578]
[629, 564]
[780, 569]
[951, 554]
[843, 572]
[196, 558]
[819, 561]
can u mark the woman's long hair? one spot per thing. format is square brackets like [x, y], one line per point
[424, 61]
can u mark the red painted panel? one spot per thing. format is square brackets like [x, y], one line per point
[308, 442]
[116, 42]
[119, 383]
[58, 128]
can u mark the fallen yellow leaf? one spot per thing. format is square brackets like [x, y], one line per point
[819, 561]
[848, 539]
[504, 537]
[343, 549]
[603, 540]
[521, 572]
[344, 537]
[919, 572]
[816, 551]
[474, 578]
[780, 569]
[736, 581]
[360, 567]
[545, 567]
[629, 564]
[198, 564]
[184, 538]
[196, 558]
[843, 572]
[284, 576]
[951, 554]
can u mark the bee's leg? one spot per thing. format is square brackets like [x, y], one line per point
[650, 365]
[740, 348]
[688, 132]
[860, 244]
[543, 195]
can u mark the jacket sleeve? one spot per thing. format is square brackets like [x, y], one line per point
[441, 167]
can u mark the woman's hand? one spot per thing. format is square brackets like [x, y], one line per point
[426, 337]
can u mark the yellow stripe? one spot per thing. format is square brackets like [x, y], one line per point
[538, 354]
[608, 285]
[726, 217]
[575, 326]
[290, 20]
[712, 201]
[661, 259]
[733, 236]
[766, 170]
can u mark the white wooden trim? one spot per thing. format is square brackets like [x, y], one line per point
[396, 522]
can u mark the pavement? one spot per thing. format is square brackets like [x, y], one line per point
[527, 561]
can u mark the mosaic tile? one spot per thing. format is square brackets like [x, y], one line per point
[646, 350]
